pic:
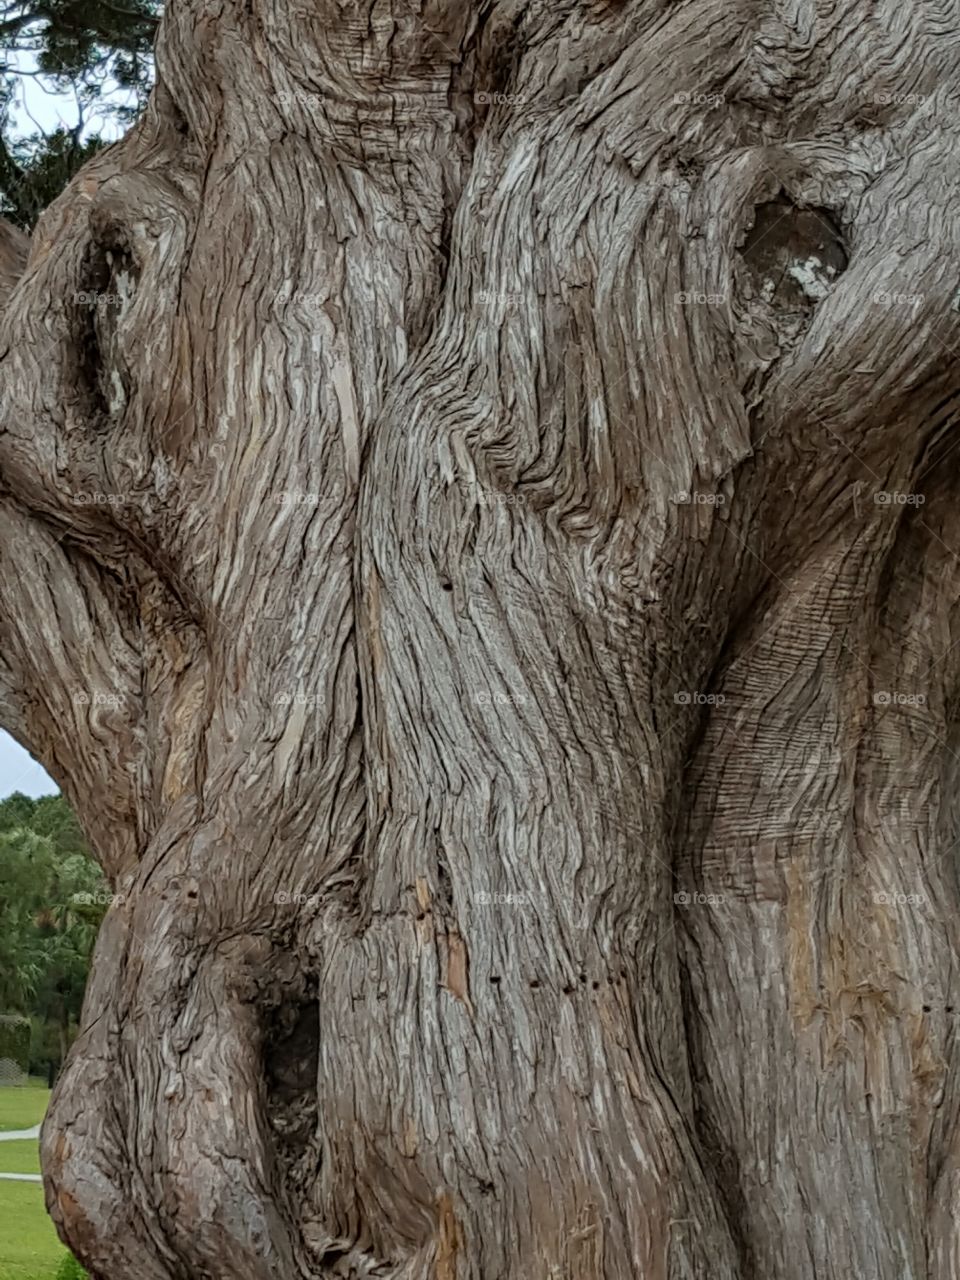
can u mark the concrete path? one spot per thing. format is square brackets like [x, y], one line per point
[20, 1177]
[18, 1135]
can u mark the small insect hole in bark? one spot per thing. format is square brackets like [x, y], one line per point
[444, 894]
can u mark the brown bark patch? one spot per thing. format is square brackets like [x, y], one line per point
[458, 970]
[449, 1240]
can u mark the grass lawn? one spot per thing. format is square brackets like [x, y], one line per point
[22, 1156]
[21, 1107]
[29, 1247]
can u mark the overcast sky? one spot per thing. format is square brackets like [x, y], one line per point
[20, 772]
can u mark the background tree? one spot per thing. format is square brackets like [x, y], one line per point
[478, 520]
[52, 899]
[100, 53]
[25, 860]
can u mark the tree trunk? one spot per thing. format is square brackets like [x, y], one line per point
[478, 528]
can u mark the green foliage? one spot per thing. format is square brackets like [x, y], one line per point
[15, 1040]
[70, 1269]
[35, 169]
[52, 900]
[25, 866]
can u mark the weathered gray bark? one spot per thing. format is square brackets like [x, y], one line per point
[445, 563]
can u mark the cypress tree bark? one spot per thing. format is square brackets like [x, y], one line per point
[478, 533]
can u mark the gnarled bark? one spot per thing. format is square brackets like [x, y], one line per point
[478, 532]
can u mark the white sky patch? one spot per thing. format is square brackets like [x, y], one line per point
[20, 772]
[39, 107]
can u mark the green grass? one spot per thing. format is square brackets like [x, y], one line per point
[29, 1246]
[22, 1106]
[22, 1156]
